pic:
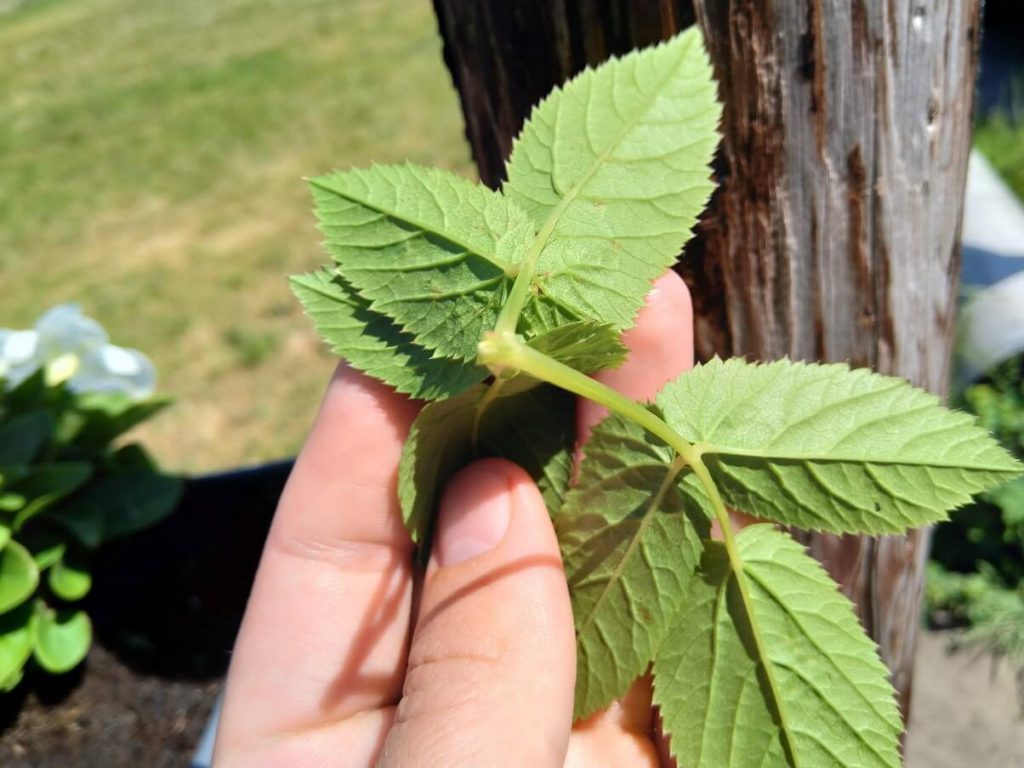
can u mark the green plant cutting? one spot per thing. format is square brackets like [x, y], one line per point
[495, 306]
[67, 484]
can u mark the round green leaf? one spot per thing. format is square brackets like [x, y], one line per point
[11, 502]
[19, 576]
[69, 580]
[15, 644]
[62, 638]
[5, 535]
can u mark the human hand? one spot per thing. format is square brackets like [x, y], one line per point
[346, 657]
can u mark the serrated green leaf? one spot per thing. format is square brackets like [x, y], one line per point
[822, 447]
[819, 698]
[16, 638]
[426, 247]
[614, 170]
[46, 484]
[375, 344]
[584, 345]
[69, 579]
[630, 535]
[533, 426]
[24, 436]
[62, 638]
[117, 505]
[19, 576]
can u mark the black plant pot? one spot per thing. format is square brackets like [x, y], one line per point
[169, 600]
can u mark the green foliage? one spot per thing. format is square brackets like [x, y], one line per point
[822, 447]
[61, 638]
[1000, 137]
[976, 576]
[758, 659]
[630, 534]
[531, 425]
[789, 631]
[613, 170]
[66, 488]
[375, 343]
[425, 247]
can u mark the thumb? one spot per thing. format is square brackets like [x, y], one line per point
[493, 660]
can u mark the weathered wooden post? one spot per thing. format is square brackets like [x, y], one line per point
[834, 234]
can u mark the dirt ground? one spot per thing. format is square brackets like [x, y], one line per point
[964, 717]
[966, 713]
[115, 718]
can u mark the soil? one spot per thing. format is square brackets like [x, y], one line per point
[115, 718]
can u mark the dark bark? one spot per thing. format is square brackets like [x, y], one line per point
[834, 234]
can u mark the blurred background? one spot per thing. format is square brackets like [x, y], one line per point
[151, 165]
[152, 159]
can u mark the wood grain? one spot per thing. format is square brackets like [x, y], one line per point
[834, 234]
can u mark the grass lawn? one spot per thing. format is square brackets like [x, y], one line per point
[151, 157]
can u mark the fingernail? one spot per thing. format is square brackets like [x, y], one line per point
[475, 511]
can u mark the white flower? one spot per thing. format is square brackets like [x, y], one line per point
[74, 348]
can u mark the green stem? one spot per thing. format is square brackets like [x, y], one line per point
[500, 351]
[700, 469]
[504, 351]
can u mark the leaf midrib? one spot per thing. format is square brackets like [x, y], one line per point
[784, 607]
[471, 250]
[547, 229]
[708, 449]
[673, 471]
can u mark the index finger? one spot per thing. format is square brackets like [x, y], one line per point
[326, 628]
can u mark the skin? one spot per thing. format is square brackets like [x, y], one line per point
[347, 657]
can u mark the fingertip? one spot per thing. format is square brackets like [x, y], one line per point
[475, 510]
[350, 388]
[660, 348]
[661, 342]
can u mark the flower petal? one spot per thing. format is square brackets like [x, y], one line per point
[65, 329]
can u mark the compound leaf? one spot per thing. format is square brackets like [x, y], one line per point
[374, 343]
[613, 168]
[819, 696]
[533, 426]
[630, 534]
[425, 247]
[822, 447]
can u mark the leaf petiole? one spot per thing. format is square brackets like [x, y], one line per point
[502, 351]
[505, 351]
